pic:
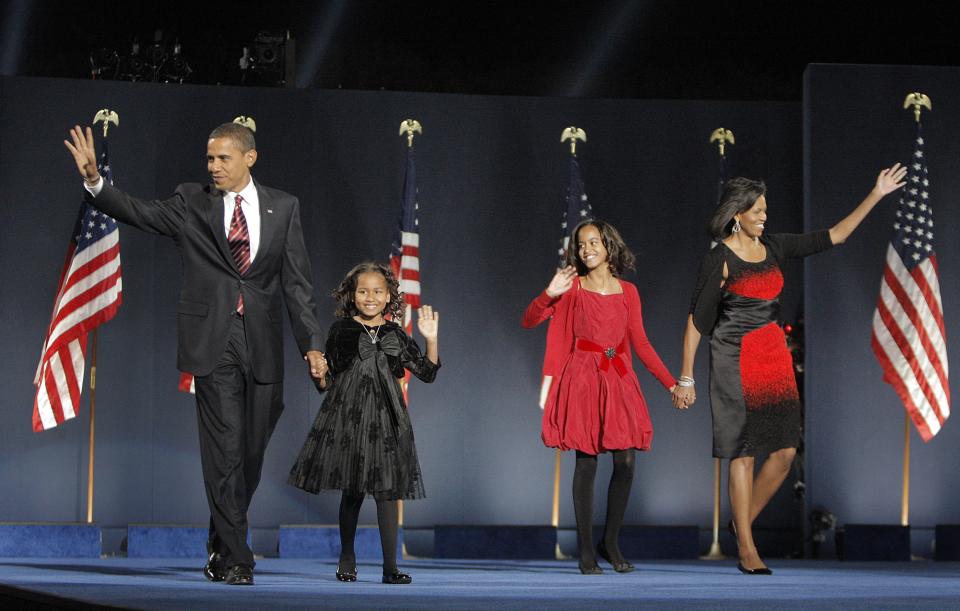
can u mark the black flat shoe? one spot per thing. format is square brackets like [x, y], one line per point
[239, 575]
[746, 571]
[397, 578]
[591, 570]
[350, 575]
[213, 570]
[621, 566]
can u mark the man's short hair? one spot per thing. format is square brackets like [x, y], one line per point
[241, 136]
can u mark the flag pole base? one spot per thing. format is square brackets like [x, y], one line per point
[558, 554]
[714, 553]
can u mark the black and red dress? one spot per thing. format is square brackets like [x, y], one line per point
[753, 390]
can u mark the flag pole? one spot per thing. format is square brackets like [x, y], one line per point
[572, 134]
[105, 116]
[92, 418]
[905, 499]
[407, 128]
[721, 136]
[917, 101]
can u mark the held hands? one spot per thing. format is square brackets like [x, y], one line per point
[428, 323]
[318, 367]
[84, 154]
[683, 396]
[890, 179]
[562, 281]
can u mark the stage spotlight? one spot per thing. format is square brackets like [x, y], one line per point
[104, 64]
[175, 69]
[269, 60]
[134, 67]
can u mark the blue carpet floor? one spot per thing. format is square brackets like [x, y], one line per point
[137, 583]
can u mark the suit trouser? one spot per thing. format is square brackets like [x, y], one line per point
[236, 416]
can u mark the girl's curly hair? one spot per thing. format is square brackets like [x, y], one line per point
[344, 294]
[619, 256]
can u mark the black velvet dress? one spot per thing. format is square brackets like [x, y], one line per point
[753, 389]
[361, 441]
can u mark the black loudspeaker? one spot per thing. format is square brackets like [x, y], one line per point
[947, 541]
[889, 542]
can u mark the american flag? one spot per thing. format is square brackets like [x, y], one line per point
[577, 207]
[405, 252]
[908, 333]
[88, 294]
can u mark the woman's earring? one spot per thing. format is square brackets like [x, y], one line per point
[736, 225]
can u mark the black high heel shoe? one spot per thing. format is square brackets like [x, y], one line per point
[732, 527]
[350, 575]
[761, 571]
[620, 567]
[397, 578]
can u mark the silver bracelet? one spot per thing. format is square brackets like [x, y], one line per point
[685, 382]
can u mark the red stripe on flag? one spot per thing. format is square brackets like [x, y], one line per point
[917, 321]
[891, 377]
[908, 355]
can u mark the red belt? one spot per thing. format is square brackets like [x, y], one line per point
[610, 353]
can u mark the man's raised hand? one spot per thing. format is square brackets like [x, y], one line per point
[84, 154]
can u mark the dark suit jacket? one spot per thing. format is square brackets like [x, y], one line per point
[193, 217]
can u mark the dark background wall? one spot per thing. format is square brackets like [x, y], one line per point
[491, 173]
[854, 125]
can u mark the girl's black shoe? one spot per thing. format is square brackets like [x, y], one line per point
[397, 578]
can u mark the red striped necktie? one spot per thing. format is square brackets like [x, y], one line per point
[239, 241]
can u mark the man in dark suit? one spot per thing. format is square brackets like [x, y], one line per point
[243, 254]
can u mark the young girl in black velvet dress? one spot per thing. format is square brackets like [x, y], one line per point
[361, 441]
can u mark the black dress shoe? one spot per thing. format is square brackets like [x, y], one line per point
[213, 570]
[620, 566]
[592, 569]
[348, 575]
[397, 578]
[761, 571]
[239, 575]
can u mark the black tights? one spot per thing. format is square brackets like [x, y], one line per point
[584, 475]
[388, 518]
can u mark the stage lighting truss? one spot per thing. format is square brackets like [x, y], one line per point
[155, 64]
[268, 60]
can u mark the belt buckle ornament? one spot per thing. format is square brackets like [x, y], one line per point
[610, 352]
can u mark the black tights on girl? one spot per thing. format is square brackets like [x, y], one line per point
[584, 475]
[387, 518]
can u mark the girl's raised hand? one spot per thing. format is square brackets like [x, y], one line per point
[562, 281]
[891, 179]
[428, 322]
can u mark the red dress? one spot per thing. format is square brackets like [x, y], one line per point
[595, 403]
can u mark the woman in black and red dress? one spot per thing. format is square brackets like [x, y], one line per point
[753, 391]
[595, 405]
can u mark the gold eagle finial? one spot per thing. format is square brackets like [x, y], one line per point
[106, 116]
[722, 136]
[247, 122]
[917, 100]
[573, 134]
[408, 127]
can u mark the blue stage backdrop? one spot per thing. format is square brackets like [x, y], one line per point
[491, 174]
[854, 124]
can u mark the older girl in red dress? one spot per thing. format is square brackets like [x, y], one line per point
[595, 404]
